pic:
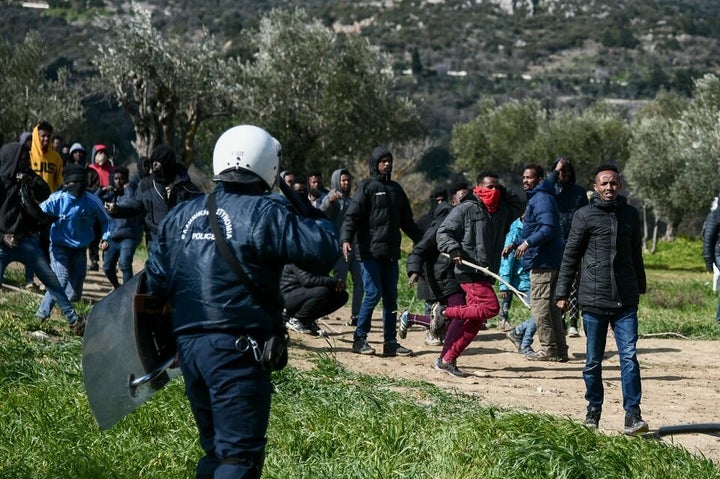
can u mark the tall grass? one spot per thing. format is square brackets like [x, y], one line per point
[326, 422]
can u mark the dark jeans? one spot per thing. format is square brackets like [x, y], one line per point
[28, 252]
[340, 271]
[120, 253]
[309, 304]
[380, 278]
[625, 327]
[227, 384]
[94, 246]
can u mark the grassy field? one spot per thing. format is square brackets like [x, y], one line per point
[328, 422]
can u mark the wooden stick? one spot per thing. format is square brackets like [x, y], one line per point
[521, 296]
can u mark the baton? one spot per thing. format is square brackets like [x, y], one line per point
[521, 296]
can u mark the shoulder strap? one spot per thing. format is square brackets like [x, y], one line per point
[225, 251]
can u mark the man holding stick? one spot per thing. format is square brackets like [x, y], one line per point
[474, 232]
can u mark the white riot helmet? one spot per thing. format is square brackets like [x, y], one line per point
[248, 148]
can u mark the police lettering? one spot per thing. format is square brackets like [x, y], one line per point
[203, 236]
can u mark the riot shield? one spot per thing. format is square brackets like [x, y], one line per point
[127, 350]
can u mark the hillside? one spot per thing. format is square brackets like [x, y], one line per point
[448, 53]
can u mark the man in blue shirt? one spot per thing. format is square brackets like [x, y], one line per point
[75, 211]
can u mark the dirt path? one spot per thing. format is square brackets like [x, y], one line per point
[681, 379]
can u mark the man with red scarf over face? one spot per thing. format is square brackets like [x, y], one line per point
[473, 231]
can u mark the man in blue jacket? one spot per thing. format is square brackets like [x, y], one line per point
[221, 321]
[541, 247]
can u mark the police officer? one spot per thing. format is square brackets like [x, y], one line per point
[219, 323]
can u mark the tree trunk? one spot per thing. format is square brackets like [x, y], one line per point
[654, 236]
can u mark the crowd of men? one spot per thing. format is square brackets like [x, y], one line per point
[240, 265]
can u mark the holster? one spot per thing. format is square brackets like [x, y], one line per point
[275, 351]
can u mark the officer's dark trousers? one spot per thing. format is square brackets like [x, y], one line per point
[230, 398]
[309, 304]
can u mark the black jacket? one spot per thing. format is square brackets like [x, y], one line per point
[293, 278]
[15, 218]
[570, 197]
[711, 238]
[606, 239]
[476, 235]
[379, 210]
[151, 198]
[437, 271]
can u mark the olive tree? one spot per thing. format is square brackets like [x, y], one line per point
[169, 87]
[498, 139]
[328, 98]
[675, 159]
[27, 93]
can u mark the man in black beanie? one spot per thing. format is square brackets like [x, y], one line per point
[167, 185]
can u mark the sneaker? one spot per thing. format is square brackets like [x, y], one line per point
[295, 325]
[404, 325]
[573, 332]
[316, 331]
[393, 348]
[592, 418]
[634, 423]
[449, 368]
[527, 350]
[504, 325]
[78, 326]
[352, 321]
[437, 319]
[361, 346]
[431, 340]
[542, 355]
[515, 338]
[31, 287]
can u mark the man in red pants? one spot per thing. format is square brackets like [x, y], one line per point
[473, 231]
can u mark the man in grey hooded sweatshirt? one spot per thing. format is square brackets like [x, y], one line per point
[335, 204]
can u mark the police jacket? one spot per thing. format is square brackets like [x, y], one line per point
[16, 217]
[295, 278]
[153, 199]
[605, 238]
[185, 265]
[379, 210]
[711, 238]
[438, 279]
[541, 229]
[476, 235]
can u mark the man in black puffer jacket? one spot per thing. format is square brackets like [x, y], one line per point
[605, 244]
[379, 210]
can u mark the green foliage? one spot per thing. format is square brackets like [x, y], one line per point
[28, 96]
[675, 153]
[506, 137]
[167, 87]
[325, 97]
